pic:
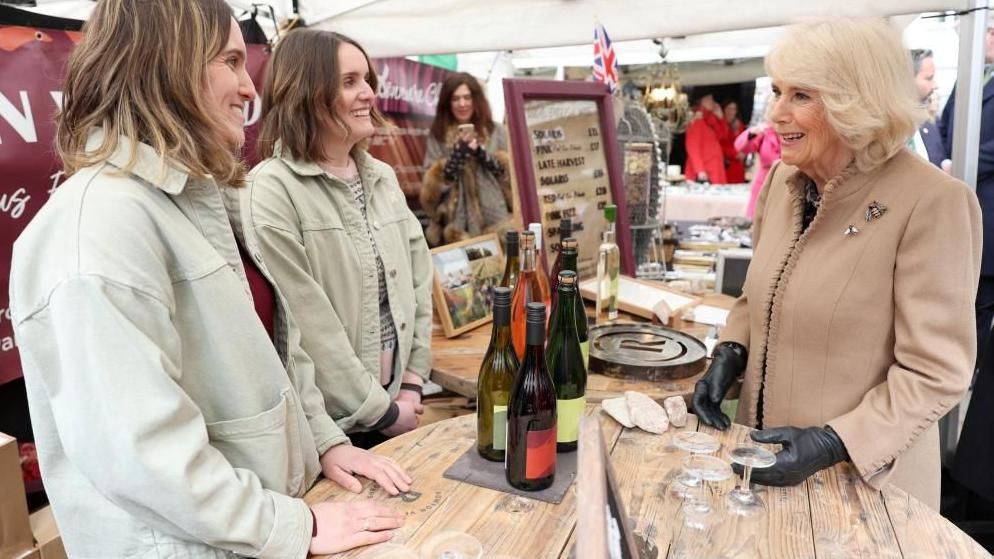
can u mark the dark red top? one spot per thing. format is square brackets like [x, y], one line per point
[263, 294]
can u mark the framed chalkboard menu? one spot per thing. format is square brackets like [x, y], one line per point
[566, 164]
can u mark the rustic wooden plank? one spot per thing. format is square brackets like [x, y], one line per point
[923, 534]
[787, 532]
[611, 431]
[425, 454]
[832, 506]
[644, 464]
[508, 524]
[848, 517]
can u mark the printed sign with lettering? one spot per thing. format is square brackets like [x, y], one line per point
[566, 161]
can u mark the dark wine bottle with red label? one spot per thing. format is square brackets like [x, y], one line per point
[530, 462]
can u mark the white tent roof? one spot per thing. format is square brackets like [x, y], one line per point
[403, 27]
[406, 27]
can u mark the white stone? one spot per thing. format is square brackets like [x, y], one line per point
[676, 409]
[618, 409]
[647, 413]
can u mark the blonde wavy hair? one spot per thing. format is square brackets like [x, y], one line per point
[862, 73]
[140, 71]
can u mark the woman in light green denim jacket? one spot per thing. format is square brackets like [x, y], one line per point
[168, 421]
[335, 230]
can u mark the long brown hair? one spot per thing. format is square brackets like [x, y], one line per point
[298, 98]
[140, 72]
[444, 118]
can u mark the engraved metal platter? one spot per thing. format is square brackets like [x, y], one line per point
[645, 352]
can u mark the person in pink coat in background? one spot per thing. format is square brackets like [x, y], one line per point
[764, 141]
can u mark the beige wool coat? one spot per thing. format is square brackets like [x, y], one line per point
[870, 332]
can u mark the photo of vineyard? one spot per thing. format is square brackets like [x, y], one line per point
[468, 275]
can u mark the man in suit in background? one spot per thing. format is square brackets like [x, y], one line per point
[985, 185]
[928, 141]
[970, 498]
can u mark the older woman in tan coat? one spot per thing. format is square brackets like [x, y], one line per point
[854, 333]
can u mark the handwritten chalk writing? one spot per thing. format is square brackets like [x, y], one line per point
[546, 164]
[594, 146]
[600, 191]
[553, 198]
[600, 205]
[14, 204]
[598, 173]
[545, 135]
[553, 180]
[593, 132]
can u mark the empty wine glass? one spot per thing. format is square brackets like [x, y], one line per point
[706, 468]
[742, 500]
[692, 537]
[696, 442]
[451, 545]
[686, 483]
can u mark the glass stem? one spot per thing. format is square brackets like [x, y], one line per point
[746, 474]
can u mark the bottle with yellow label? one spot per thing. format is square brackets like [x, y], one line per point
[564, 360]
[497, 371]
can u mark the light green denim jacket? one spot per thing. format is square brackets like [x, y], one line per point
[311, 233]
[167, 424]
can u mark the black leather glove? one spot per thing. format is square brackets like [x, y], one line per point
[728, 362]
[805, 451]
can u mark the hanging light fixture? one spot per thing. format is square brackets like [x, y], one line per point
[664, 99]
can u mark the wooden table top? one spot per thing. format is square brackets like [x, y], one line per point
[832, 514]
[456, 361]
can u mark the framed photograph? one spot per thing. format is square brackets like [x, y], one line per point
[465, 276]
[567, 164]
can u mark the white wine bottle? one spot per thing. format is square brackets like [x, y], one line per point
[608, 267]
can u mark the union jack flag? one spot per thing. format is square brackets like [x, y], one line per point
[605, 63]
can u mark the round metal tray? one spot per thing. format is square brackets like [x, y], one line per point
[644, 351]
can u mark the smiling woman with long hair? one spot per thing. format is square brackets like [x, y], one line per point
[335, 230]
[466, 189]
[171, 418]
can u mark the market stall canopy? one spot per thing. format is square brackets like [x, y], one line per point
[402, 27]
[405, 27]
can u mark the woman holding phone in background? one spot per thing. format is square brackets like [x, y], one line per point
[467, 184]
